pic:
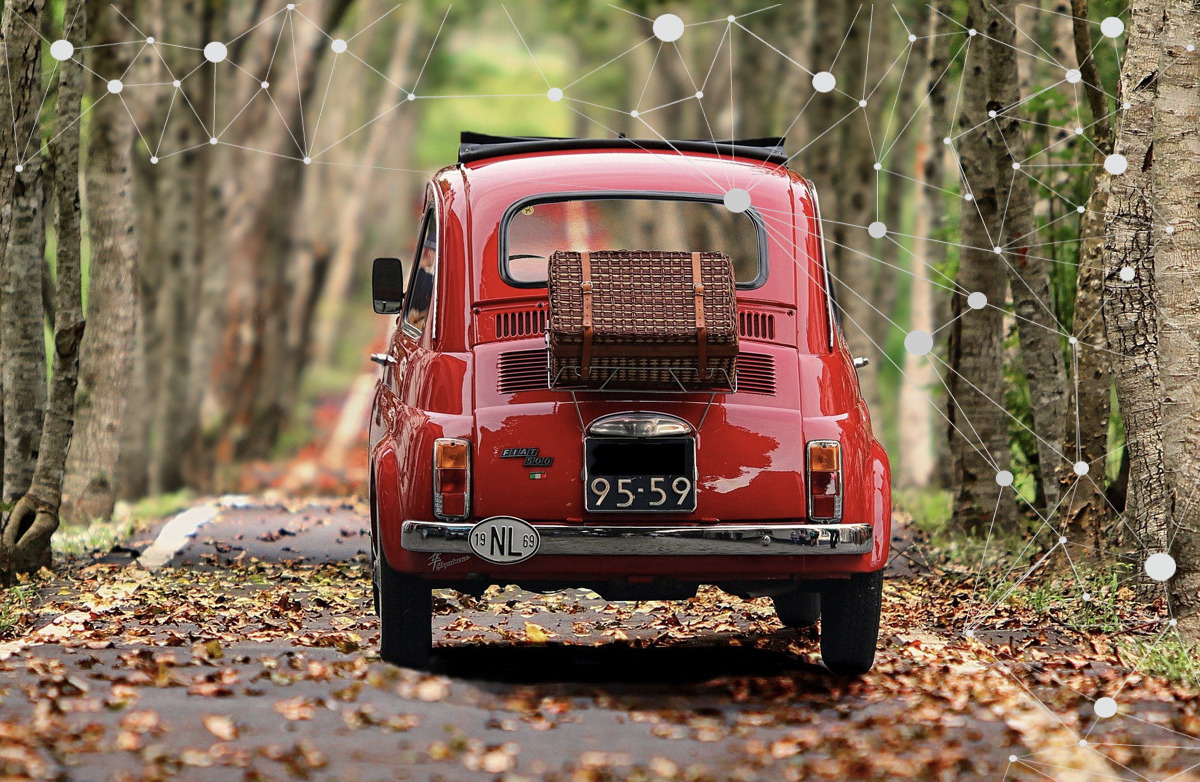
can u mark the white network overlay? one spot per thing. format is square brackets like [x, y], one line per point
[661, 34]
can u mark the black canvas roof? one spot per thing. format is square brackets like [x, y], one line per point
[480, 146]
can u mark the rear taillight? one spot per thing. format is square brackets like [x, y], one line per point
[451, 478]
[824, 480]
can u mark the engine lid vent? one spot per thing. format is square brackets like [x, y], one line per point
[756, 325]
[755, 374]
[523, 370]
[520, 323]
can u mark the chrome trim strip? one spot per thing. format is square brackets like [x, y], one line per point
[650, 540]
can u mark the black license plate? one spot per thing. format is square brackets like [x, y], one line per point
[644, 476]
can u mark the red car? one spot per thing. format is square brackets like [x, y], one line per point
[484, 470]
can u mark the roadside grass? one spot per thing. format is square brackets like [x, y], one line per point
[1167, 656]
[15, 605]
[79, 540]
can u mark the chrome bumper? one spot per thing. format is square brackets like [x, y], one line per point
[648, 540]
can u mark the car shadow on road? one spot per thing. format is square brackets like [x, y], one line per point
[617, 663]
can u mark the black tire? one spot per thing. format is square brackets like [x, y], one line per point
[850, 623]
[405, 617]
[798, 608]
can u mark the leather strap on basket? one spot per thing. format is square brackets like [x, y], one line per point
[585, 285]
[701, 326]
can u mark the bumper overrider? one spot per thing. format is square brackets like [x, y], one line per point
[648, 540]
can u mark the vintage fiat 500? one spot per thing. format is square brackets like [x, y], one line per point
[489, 466]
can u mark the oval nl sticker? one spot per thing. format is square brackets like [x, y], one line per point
[504, 540]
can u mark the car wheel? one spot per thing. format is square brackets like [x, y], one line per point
[850, 623]
[798, 608]
[405, 617]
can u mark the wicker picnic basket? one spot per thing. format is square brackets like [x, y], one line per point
[636, 319]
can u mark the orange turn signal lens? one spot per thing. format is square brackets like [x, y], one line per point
[451, 455]
[824, 456]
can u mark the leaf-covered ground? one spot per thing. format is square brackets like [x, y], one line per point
[252, 657]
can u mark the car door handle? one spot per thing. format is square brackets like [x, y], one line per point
[861, 362]
[382, 359]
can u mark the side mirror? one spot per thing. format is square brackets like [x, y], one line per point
[387, 285]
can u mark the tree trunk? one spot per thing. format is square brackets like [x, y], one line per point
[27, 532]
[107, 351]
[975, 382]
[1088, 515]
[1130, 314]
[22, 246]
[1014, 231]
[1177, 263]
[919, 396]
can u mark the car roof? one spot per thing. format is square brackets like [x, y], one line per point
[481, 146]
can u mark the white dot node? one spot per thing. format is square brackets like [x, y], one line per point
[177, 84]
[731, 18]
[412, 96]
[1173, 622]
[115, 86]
[213, 141]
[1062, 540]
[1105, 708]
[877, 230]
[968, 197]
[699, 94]
[150, 40]
[291, 6]
[1016, 166]
[1170, 229]
[1081, 468]
[878, 166]
[977, 300]
[555, 94]
[265, 85]
[1083, 742]
[918, 342]
[1012, 758]
[1004, 478]
[1072, 341]
[737, 200]
[911, 38]
[1126, 105]
[862, 104]
[668, 27]
[998, 250]
[1160, 566]
[824, 82]
[215, 52]
[1112, 27]
[972, 32]
[1115, 164]
[1073, 76]
[154, 159]
[1191, 47]
[19, 168]
[992, 113]
[969, 633]
[1086, 597]
[946, 141]
[1127, 274]
[634, 113]
[308, 161]
[1081, 209]
[1078, 131]
[338, 46]
[62, 50]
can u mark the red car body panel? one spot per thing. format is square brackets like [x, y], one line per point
[446, 382]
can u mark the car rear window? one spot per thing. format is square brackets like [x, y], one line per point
[534, 229]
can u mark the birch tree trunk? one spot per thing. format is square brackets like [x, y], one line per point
[975, 382]
[1088, 513]
[1014, 232]
[1130, 315]
[1177, 263]
[22, 246]
[27, 532]
[107, 352]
